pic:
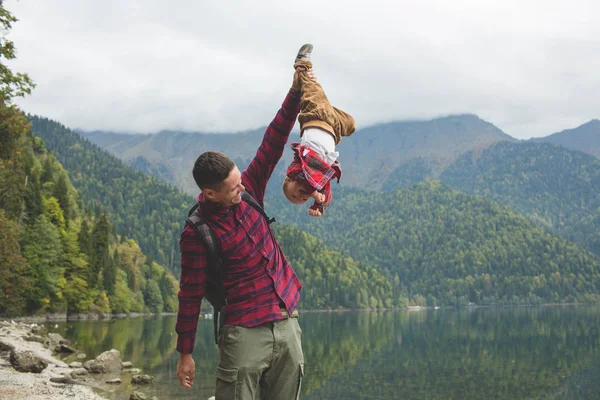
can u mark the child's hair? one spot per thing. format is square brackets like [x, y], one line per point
[286, 190]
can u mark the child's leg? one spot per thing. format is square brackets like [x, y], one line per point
[314, 106]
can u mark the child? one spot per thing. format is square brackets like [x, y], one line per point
[322, 126]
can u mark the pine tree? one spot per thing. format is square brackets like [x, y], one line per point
[100, 241]
[15, 285]
[61, 192]
[84, 238]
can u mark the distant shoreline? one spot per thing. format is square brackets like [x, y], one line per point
[61, 317]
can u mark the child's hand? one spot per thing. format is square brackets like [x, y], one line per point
[318, 196]
[314, 213]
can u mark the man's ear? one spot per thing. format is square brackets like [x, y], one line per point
[209, 194]
[287, 179]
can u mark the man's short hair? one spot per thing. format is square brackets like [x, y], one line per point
[211, 169]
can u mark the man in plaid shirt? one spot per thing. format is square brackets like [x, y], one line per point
[259, 344]
[322, 126]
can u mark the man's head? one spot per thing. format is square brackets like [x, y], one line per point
[218, 178]
[296, 191]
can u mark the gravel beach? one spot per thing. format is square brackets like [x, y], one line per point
[16, 385]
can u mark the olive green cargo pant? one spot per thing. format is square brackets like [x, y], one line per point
[260, 363]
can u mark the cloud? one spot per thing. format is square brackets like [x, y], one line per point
[531, 68]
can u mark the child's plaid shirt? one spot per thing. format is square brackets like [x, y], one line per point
[311, 170]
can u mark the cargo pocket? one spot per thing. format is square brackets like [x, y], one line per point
[300, 376]
[226, 383]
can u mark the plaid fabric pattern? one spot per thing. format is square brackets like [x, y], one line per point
[311, 170]
[257, 278]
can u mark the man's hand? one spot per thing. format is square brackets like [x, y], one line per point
[297, 83]
[186, 369]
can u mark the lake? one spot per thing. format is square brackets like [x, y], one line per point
[474, 353]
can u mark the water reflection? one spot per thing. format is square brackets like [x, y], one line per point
[521, 353]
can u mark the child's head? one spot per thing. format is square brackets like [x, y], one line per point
[296, 191]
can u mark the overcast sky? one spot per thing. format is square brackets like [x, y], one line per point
[532, 68]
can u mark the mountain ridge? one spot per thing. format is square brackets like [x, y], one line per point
[367, 157]
[585, 137]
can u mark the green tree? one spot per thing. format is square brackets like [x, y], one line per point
[61, 192]
[100, 241]
[15, 285]
[153, 297]
[11, 84]
[84, 239]
[42, 248]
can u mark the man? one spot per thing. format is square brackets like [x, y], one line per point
[259, 344]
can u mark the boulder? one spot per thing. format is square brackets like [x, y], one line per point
[55, 338]
[78, 372]
[34, 338]
[142, 379]
[106, 363]
[26, 361]
[127, 364]
[36, 329]
[133, 371]
[60, 379]
[116, 381]
[81, 356]
[65, 349]
[138, 396]
[6, 346]
[76, 364]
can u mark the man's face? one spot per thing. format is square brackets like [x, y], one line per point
[230, 192]
[296, 192]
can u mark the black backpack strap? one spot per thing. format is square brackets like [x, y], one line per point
[214, 263]
[247, 197]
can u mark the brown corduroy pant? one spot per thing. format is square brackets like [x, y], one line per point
[317, 112]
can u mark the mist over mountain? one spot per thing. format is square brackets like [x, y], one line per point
[368, 157]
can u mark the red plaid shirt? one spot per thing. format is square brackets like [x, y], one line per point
[311, 170]
[256, 275]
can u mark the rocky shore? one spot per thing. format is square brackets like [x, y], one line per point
[29, 369]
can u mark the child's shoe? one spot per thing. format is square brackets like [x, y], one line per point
[304, 52]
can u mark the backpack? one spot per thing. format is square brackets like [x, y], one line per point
[215, 293]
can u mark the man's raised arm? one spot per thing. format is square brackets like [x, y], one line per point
[271, 148]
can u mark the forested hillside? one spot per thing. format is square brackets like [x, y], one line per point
[441, 246]
[141, 207]
[556, 187]
[144, 206]
[54, 257]
[331, 280]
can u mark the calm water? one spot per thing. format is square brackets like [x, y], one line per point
[518, 353]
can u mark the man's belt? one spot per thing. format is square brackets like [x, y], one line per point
[284, 313]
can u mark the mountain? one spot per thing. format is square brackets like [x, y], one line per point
[155, 213]
[55, 256]
[441, 246]
[170, 155]
[427, 245]
[584, 138]
[141, 207]
[372, 154]
[556, 187]
[368, 157]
